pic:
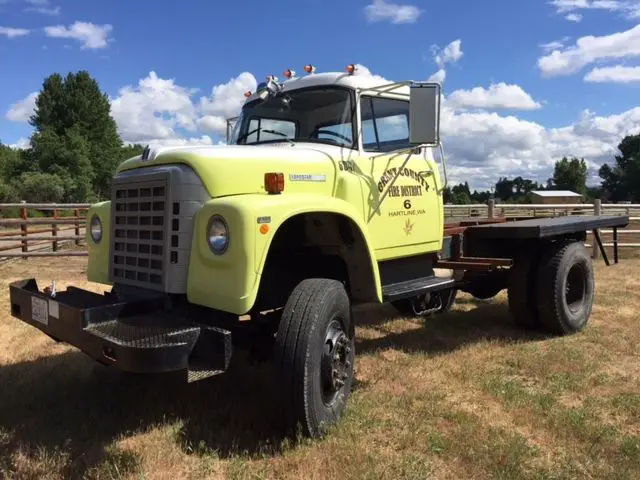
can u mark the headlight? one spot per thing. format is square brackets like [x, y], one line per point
[218, 235]
[96, 229]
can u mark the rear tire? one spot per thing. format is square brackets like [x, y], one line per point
[566, 287]
[522, 288]
[314, 355]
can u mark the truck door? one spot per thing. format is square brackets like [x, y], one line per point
[404, 205]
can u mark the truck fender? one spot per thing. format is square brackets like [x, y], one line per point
[279, 209]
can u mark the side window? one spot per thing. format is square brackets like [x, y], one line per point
[263, 129]
[385, 124]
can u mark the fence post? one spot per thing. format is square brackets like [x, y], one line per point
[597, 210]
[54, 231]
[76, 213]
[491, 208]
[23, 229]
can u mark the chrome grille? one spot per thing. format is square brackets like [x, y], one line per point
[139, 233]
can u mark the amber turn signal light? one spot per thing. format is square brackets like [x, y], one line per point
[274, 182]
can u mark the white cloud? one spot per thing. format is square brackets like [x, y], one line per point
[365, 72]
[10, 32]
[22, 110]
[211, 123]
[554, 45]
[438, 77]
[22, 143]
[589, 49]
[629, 8]
[43, 7]
[484, 146]
[615, 74]
[225, 101]
[498, 95]
[153, 110]
[91, 36]
[53, 11]
[381, 10]
[452, 53]
[574, 17]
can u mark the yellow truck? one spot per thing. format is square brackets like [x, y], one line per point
[328, 194]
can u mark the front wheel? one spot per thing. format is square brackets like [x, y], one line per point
[314, 355]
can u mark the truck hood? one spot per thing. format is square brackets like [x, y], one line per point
[239, 169]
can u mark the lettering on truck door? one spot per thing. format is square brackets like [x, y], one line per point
[403, 201]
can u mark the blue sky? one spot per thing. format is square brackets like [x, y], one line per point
[534, 113]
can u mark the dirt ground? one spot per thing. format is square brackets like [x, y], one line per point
[462, 395]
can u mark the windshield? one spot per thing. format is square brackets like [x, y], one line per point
[323, 115]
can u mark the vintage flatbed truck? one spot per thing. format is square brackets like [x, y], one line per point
[327, 195]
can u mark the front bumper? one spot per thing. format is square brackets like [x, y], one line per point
[136, 335]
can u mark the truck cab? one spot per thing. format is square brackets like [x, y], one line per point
[363, 128]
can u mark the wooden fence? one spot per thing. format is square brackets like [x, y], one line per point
[41, 229]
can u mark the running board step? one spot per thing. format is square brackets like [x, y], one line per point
[417, 286]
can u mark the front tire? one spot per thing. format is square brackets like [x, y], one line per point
[314, 355]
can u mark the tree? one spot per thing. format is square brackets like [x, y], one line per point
[570, 175]
[40, 187]
[75, 136]
[622, 181]
[504, 189]
[461, 194]
[129, 151]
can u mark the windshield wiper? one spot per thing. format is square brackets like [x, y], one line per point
[273, 132]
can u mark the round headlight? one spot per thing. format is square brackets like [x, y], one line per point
[218, 235]
[96, 229]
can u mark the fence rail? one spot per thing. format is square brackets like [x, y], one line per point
[43, 228]
[64, 224]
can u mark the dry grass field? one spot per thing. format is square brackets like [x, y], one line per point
[464, 395]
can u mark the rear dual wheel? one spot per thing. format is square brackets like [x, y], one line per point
[553, 288]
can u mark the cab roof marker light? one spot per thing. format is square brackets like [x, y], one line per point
[309, 68]
[289, 73]
[247, 93]
[351, 69]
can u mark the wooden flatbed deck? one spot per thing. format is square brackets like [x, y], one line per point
[545, 227]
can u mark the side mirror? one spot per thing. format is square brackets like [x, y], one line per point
[424, 114]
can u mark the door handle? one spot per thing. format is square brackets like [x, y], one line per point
[425, 173]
